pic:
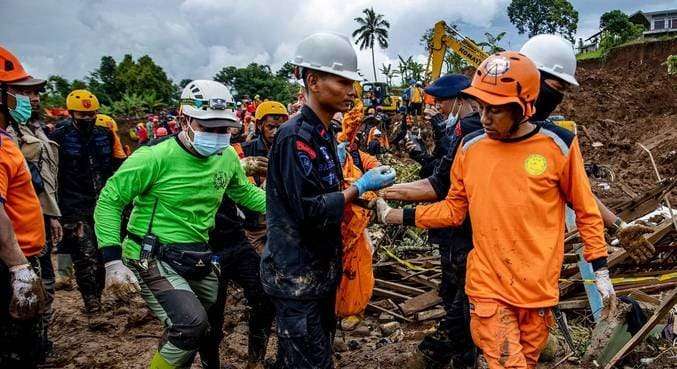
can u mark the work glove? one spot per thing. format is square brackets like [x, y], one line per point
[606, 289]
[120, 281]
[631, 238]
[342, 152]
[28, 293]
[254, 165]
[376, 179]
[382, 210]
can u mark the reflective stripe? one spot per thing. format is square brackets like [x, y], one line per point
[562, 145]
[471, 141]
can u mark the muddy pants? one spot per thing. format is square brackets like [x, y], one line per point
[47, 275]
[80, 242]
[452, 339]
[20, 340]
[240, 263]
[181, 305]
[305, 330]
[509, 336]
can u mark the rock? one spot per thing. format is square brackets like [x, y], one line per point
[350, 323]
[340, 345]
[389, 328]
[385, 317]
[362, 331]
[353, 344]
[549, 352]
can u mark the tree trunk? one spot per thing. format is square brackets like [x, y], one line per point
[373, 63]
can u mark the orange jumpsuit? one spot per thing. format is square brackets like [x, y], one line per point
[515, 193]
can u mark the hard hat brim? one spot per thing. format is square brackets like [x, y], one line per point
[563, 76]
[353, 76]
[221, 115]
[216, 123]
[28, 82]
[492, 99]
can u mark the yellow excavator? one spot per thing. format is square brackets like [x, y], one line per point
[444, 38]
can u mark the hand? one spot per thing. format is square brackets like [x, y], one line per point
[120, 281]
[430, 112]
[28, 293]
[606, 289]
[382, 210]
[255, 165]
[375, 179]
[342, 152]
[56, 230]
[411, 147]
[631, 238]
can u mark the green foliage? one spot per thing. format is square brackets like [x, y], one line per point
[491, 43]
[389, 72]
[258, 79]
[371, 28]
[455, 63]
[544, 16]
[286, 71]
[618, 29]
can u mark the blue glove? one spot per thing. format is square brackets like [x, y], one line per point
[342, 152]
[375, 179]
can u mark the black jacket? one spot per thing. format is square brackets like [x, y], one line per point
[302, 257]
[85, 163]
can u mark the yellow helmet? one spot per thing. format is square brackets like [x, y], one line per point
[82, 100]
[106, 121]
[270, 107]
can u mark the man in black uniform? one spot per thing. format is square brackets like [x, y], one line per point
[452, 340]
[86, 161]
[301, 262]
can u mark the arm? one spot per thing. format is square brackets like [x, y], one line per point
[420, 190]
[10, 252]
[610, 219]
[134, 177]
[575, 185]
[243, 192]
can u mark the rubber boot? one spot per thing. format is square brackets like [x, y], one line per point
[258, 343]
[158, 362]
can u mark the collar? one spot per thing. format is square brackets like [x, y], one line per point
[523, 137]
[311, 118]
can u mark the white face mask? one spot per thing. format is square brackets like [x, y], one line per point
[208, 143]
[452, 119]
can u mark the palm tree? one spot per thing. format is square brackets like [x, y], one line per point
[372, 27]
[455, 64]
[492, 42]
[388, 72]
[403, 69]
[417, 70]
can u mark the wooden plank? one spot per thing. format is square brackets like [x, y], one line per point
[665, 308]
[430, 315]
[420, 303]
[390, 294]
[644, 297]
[418, 279]
[402, 288]
[387, 311]
[573, 304]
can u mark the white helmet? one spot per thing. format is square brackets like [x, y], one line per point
[552, 54]
[328, 52]
[211, 102]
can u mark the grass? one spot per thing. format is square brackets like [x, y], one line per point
[596, 54]
[601, 53]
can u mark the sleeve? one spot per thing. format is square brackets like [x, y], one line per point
[118, 151]
[440, 179]
[135, 176]
[295, 162]
[244, 192]
[449, 212]
[6, 172]
[368, 161]
[576, 187]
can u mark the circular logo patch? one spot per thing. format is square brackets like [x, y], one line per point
[87, 104]
[535, 164]
[497, 65]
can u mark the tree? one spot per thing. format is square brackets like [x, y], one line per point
[617, 29]
[257, 79]
[389, 72]
[544, 16]
[403, 69]
[372, 28]
[184, 82]
[491, 42]
[416, 69]
[455, 63]
[286, 71]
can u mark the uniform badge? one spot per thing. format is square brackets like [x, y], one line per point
[535, 164]
[306, 163]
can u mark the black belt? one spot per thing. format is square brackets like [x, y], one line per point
[188, 245]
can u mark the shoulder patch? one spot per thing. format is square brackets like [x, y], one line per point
[472, 138]
[305, 148]
[306, 162]
[561, 136]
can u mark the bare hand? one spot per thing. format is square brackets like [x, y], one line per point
[56, 230]
[255, 165]
[632, 239]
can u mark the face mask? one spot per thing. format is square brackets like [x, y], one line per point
[547, 101]
[22, 111]
[208, 143]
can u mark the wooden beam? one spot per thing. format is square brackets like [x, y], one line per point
[420, 303]
[390, 294]
[665, 308]
[430, 315]
[387, 311]
[403, 288]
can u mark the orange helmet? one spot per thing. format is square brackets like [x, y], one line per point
[507, 77]
[11, 69]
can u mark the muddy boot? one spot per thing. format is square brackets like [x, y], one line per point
[256, 352]
[420, 361]
[257, 365]
[93, 313]
[63, 283]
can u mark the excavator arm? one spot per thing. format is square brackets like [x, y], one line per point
[445, 38]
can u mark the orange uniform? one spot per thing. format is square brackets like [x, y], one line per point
[516, 194]
[382, 139]
[18, 197]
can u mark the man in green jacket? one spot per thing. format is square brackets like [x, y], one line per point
[176, 186]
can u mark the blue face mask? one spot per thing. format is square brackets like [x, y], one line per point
[208, 144]
[22, 111]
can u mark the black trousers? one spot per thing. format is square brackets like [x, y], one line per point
[305, 330]
[90, 273]
[239, 262]
[21, 343]
[452, 340]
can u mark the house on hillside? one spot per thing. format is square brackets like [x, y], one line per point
[657, 23]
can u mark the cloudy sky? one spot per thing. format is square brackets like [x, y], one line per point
[196, 38]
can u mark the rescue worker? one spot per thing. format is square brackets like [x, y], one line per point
[454, 117]
[415, 100]
[22, 233]
[42, 156]
[498, 178]
[103, 120]
[555, 58]
[176, 187]
[86, 161]
[301, 263]
[238, 243]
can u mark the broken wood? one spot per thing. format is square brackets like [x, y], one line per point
[390, 294]
[387, 311]
[430, 314]
[420, 303]
[668, 302]
[402, 288]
